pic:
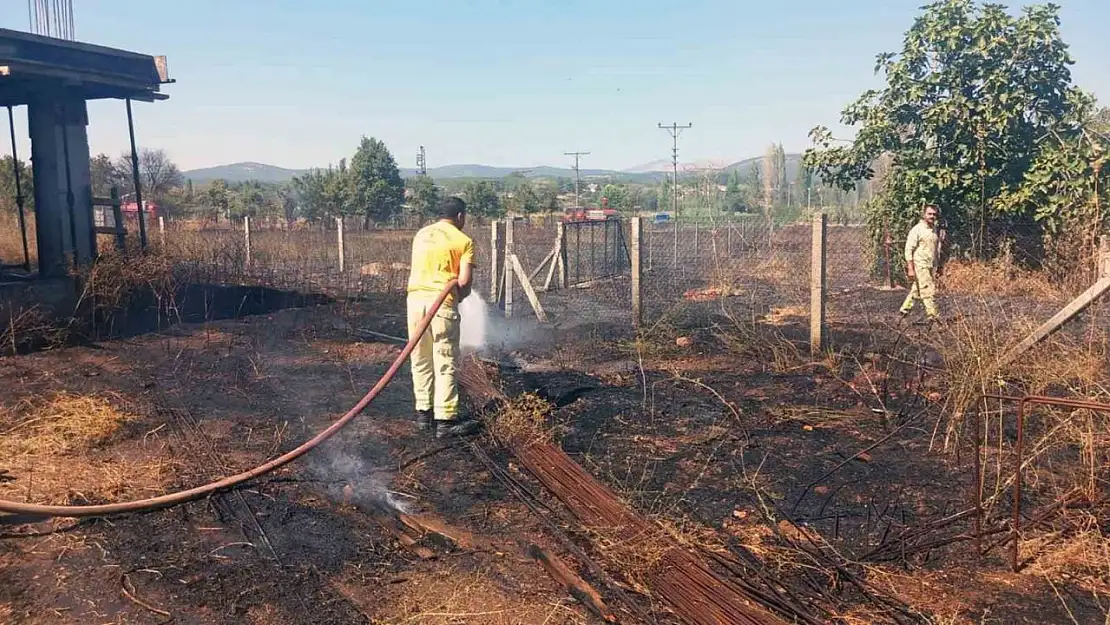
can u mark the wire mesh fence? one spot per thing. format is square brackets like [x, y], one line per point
[747, 261]
[581, 273]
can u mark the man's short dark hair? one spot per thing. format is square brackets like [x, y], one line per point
[451, 207]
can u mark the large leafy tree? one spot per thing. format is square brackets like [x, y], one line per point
[218, 199]
[520, 196]
[324, 193]
[482, 199]
[376, 185]
[978, 115]
[250, 199]
[424, 196]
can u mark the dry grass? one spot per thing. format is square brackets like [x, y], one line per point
[115, 280]
[522, 421]
[1081, 556]
[1000, 277]
[453, 597]
[62, 424]
[58, 444]
[1066, 450]
[11, 244]
[637, 556]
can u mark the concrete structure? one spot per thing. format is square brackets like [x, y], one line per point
[54, 79]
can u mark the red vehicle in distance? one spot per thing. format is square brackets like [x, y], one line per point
[591, 214]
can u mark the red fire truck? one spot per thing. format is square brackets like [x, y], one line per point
[131, 210]
[591, 214]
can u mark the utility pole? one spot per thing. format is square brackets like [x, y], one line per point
[577, 177]
[675, 130]
[421, 163]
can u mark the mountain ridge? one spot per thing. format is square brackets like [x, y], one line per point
[653, 171]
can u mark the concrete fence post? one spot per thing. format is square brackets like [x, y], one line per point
[339, 241]
[637, 272]
[817, 285]
[674, 265]
[247, 237]
[495, 263]
[508, 268]
[561, 244]
[162, 229]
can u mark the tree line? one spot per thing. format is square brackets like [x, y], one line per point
[369, 187]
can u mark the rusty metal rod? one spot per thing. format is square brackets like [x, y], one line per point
[1023, 402]
[19, 191]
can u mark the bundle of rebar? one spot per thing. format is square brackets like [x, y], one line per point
[677, 576]
[51, 18]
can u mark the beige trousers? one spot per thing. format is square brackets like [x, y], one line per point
[435, 357]
[924, 288]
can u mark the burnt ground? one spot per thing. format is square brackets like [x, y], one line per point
[211, 399]
[718, 441]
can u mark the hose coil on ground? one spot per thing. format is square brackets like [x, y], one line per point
[172, 499]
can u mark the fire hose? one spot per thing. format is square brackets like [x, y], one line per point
[172, 499]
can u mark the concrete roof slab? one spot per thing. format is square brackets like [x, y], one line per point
[33, 65]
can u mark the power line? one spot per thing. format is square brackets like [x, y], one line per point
[675, 130]
[577, 177]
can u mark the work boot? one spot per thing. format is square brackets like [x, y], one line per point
[425, 420]
[454, 428]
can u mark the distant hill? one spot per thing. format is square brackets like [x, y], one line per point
[487, 171]
[242, 172]
[649, 172]
[793, 164]
[666, 166]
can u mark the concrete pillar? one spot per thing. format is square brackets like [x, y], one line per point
[57, 128]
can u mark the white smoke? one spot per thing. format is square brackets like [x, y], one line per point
[361, 484]
[484, 330]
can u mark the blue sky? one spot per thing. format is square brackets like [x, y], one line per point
[503, 82]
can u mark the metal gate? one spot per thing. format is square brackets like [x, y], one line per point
[596, 250]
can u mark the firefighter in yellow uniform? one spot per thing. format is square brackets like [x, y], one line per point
[440, 253]
[922, 251]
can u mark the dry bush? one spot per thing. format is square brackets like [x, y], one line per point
[116, 279]
[522, 421]
[636, 555]
[1066, 451]
[969, 347]
[25, 326]
[998, 277]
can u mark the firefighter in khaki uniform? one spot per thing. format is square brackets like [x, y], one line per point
[440, 253]
[922, 251]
